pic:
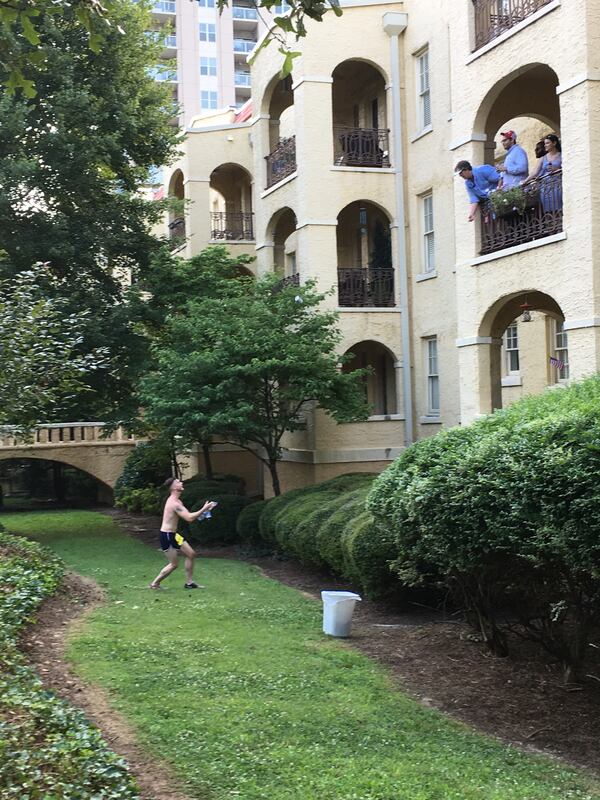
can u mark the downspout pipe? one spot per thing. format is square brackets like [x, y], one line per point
[394, 24]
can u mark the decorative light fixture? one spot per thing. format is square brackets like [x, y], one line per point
[525, 312]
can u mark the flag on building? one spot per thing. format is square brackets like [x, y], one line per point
[158, 193]
[556, 362]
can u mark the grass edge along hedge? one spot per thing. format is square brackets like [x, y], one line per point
[506, 512]
[47, 748]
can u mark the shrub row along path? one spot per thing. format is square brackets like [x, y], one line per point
[433, 659]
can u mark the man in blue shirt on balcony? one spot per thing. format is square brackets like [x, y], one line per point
[516, 166]
[479, 182]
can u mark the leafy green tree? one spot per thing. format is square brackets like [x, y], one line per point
[242, 365]
[72, 160]
[40, 367]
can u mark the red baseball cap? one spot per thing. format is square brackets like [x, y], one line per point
[509, 135]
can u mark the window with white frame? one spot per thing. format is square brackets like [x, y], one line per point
[428, 234]
[561, 351]
[206, 3]
[208, 65]
[433, 378]
[423, 89]
[207, 32]
[511, 349]
[208, 100]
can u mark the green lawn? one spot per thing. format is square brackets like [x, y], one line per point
[240, 690]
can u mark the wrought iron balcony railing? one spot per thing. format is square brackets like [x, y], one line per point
[289, 280]
[231, 225]
[360, 287]
[494, 17]
[282, 161]
[534, 213]
[361, 147]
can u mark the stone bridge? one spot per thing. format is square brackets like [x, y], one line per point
[84, 445]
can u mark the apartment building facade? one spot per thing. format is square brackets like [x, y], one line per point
[345, 173]
[205, 52]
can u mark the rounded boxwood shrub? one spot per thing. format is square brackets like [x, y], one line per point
[368, 551]
[330, 533]
[247, 524]
[506, 512]
[221, 527]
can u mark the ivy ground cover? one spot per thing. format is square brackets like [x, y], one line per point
[237, 688]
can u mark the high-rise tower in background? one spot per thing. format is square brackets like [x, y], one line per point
[205, 52]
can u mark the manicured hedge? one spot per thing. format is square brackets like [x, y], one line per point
[47, 749]
[148, 464]
[506, 513]
[326, 526]
[247, 524]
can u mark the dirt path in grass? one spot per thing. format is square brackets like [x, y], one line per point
[44, 644]
[440, 662]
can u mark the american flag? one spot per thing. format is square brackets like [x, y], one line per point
[158, 193]
[556, 362]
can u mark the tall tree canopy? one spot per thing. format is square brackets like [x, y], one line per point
[41, 369]
[72, 160]
[243, 364]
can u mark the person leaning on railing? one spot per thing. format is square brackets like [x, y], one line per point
[479, 182]
[547, 165]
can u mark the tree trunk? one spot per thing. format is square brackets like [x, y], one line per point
[274, 477]
[208, 470]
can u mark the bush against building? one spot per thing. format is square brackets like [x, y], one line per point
[506, 514]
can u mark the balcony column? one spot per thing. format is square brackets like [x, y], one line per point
[399, 383]
[580, 130]
[479, 376]
[394, 25]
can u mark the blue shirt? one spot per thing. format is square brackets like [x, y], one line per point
[485, 179]
[516, 166]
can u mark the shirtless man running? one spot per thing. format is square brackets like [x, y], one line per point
[173, 543]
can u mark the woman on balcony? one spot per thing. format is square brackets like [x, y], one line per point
[544, 173]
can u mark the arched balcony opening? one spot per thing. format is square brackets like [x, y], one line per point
[380, 383]
[528, 204]
[360, 132]
[282, 231]
[530, 348]
[231, 214]
[176, 214]
[281, 160]
[364, 256]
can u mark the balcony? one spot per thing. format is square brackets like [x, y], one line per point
[281, 162]
[244, 46]
[494, 17]
[244, 14]
[289, 280]
[164, 7]
[242, 79]
[534, 215]
[360, 147]
[176, 233]
[164, 74]
[231, 225]
[360, 287]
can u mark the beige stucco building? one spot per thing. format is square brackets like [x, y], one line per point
[345, 173]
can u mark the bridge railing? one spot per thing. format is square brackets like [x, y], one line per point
[64, 433]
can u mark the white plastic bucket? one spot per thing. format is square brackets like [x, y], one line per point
[338, 608]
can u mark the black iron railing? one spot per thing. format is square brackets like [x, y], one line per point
[360, 147]
[281, 162]
[359, 287]
[289, 280]
[534, 212]
[176, 232]
[231, 225]
[493, 17]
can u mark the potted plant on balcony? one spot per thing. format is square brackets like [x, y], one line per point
[508, 201]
